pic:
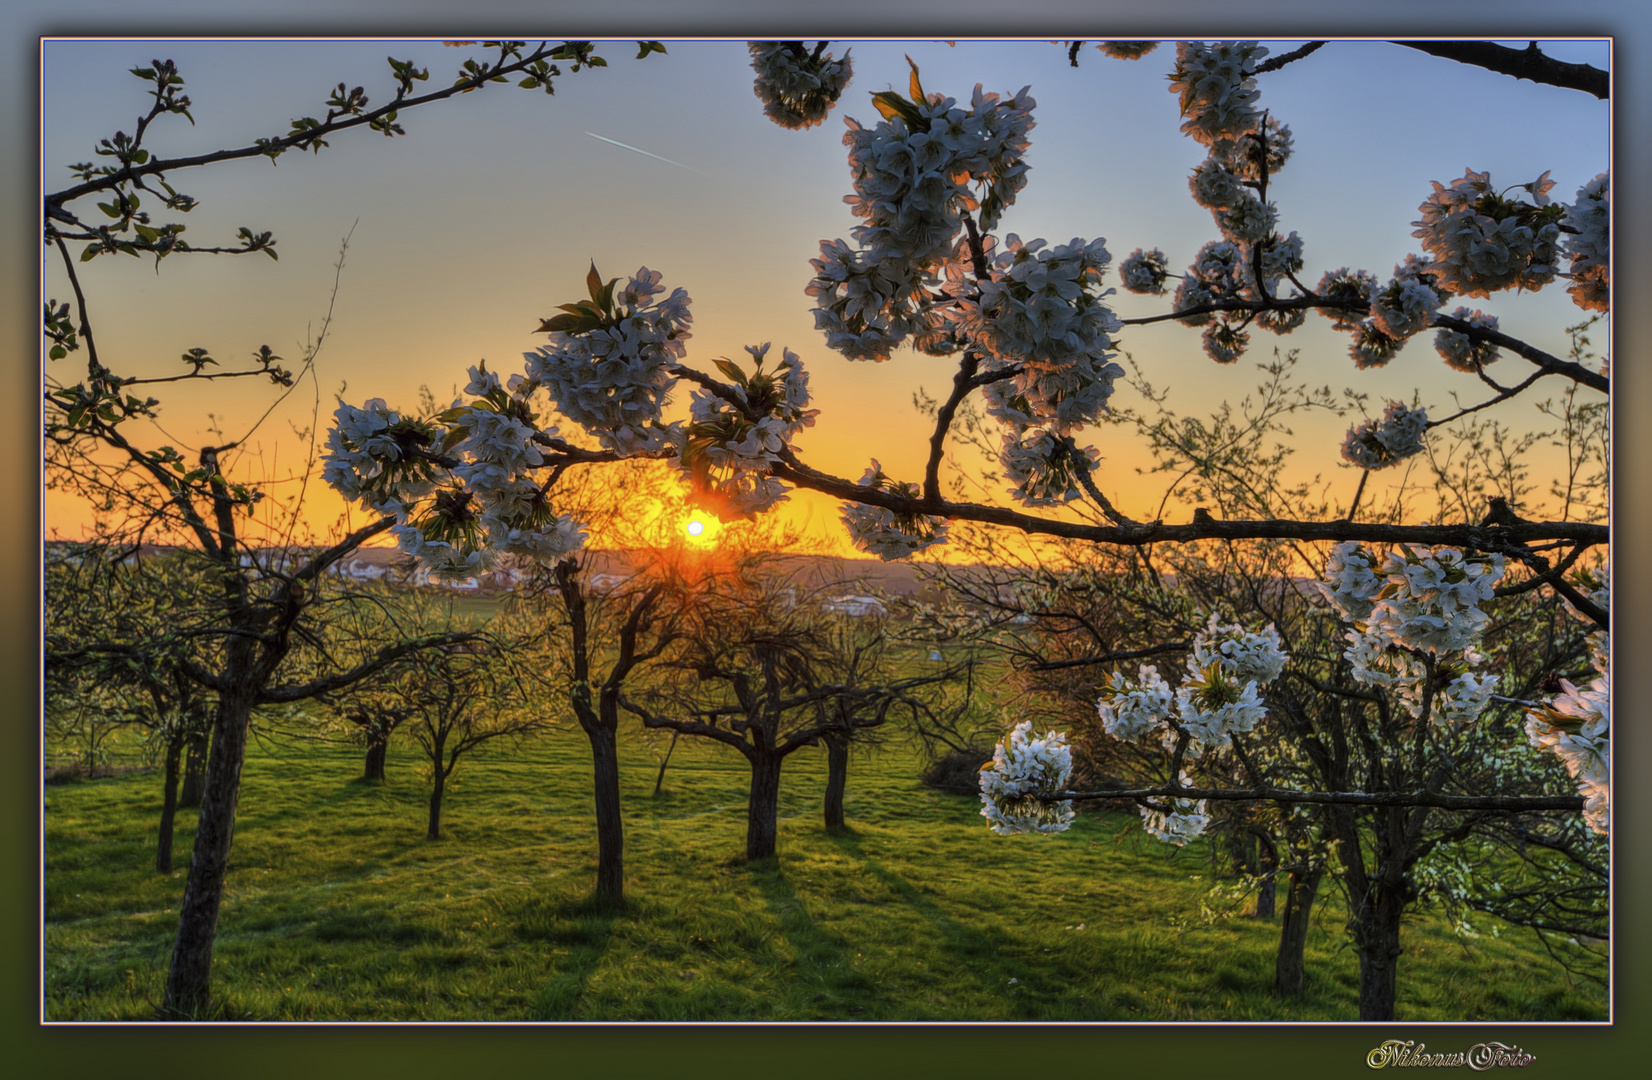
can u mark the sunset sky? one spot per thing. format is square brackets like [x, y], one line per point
[484, 217]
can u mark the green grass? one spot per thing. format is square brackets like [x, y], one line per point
[337, 908]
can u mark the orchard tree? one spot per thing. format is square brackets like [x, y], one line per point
[1035, 343]
[457, 698]
[762, 665]
[118, 637]
[100, 443]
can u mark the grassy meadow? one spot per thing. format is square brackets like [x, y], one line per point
[338, 908]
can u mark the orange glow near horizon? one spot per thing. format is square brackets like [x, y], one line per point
[702, 529]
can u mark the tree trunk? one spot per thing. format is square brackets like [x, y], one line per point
[1289, 971]
[374, 769]
[169, 806]
[437, 782]
[837, 780]
[610, 830]
[763, 806]
[660, 779]
[1377, 936]
[188, 980]
[1267, 892]
[195, 769]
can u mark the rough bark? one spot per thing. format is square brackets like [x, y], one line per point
[1377, 936]
[169, 807]
[763, 805]
[1266, 893]
[188, 979]
[374, 767]
[610, 829]
[837, 780]
[438, 782]
[195, 770]
[1289, 972]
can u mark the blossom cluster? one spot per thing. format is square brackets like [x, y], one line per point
[730, 443]
[1040, 467]
[915, 174]
[1351, 292]
[1252, 258]
[1255, 656]
[374, 456]
[1127, 50]
[1576, 724]
[1431, 599]
[866, 304]
[1043, 312]
[1482, 242]
[1588, 245]
[1217, 274]
[472, 464]
[886, 533]
[1416, 616]
[1350, 583]
[1408, 302]
[1377, 444]
[1214, 704]
[1219, 697]
[1461, 352]
[1018, 788]
[613, 379]
[1186, 822]
[1135, 710]
[1220, 694]
[797, 88]
[1217, 91]
[1144, 272]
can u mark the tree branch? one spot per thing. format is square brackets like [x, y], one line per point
[1529, 63]
[1203, 527]
[158, 166]
[272, 695]
[1440, 800]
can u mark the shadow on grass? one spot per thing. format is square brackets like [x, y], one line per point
[992, 957]
[346, 792]
[825, 982]
[584, 927]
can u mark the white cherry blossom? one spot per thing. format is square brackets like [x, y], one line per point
[1017, 789]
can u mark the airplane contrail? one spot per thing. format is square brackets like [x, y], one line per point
[644, 153]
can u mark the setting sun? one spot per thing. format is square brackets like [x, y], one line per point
[702, 528]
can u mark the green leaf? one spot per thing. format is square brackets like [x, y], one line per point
[75, 414]
[891, 105]
[529, 83]
[916, 87]
[271, 253]
[139, 157]
[593, 282]
[90, 253]
[568, 324]
[731, 369]
[58, 352]
[584, 309]
[109, 209]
